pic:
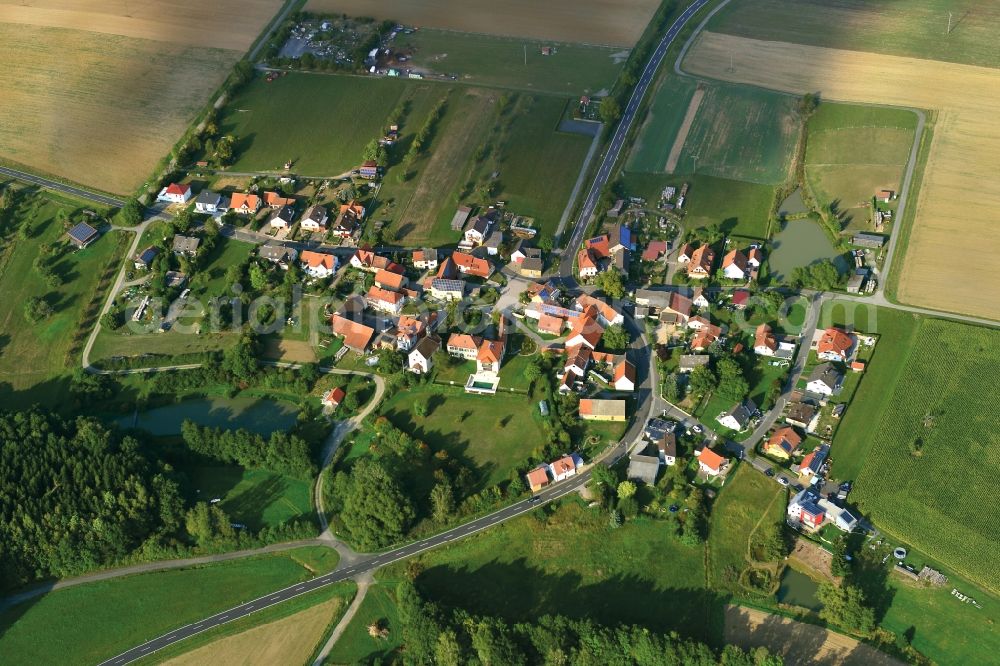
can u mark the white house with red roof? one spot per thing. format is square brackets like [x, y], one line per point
[734, 265]
[565, 467]
[334, 397]
[834, 344]
[711, 463]
[318, 264]
[624, 376]
[175, 193]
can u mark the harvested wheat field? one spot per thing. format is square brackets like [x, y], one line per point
[957, 220]
[290, 640]
[797, 642]
[608, 22]
[99, 98]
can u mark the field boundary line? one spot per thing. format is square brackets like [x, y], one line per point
[682, 134]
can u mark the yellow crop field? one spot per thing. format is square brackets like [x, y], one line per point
[957, 220]
[291, 640]
[610, 22]
[98, 97]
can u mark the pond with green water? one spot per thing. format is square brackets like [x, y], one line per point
[802, 243]
[258, 415]
[798, 589]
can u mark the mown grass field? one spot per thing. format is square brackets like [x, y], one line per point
[853, 151]
[743, 505]
[573, 69]
[320, 122]
[915, 28]
[570, 561]
[663, 120]
[742, 133]
[256, 498]
[492, 432]
[935, 451]
[591, 21]
[99, 620]
[356, 645]
[287, 634]
[36, 358]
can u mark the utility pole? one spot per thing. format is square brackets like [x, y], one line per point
[695, 158]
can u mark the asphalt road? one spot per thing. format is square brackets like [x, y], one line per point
[618, 140]
[62, 187]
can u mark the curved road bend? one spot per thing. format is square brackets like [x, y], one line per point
[618, 140]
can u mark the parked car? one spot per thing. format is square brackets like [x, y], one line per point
[768, 472]
[783, 481]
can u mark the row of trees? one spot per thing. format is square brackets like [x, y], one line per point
[433, 635]
[284, 453]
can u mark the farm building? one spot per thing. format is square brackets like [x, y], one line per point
[873, 241]
[602, 410]
[82, 235]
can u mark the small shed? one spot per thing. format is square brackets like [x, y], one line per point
[82, 235]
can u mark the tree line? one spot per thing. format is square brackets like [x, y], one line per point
[433, 634]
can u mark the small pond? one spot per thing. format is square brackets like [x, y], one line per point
[798, 589]
[801, 243]
[259, 415]
[793, 205]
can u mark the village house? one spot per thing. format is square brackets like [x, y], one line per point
[368, 170]
[409, 330]
[738, 415]
[349, 219]
[208, 202]
[585, 330]
[700, 266]
[688, 362]
[624, 376]
[519, 251]
[419, 358]
[366, 260]
[740, 299]
[470, 265]
[177, 193]
[704, 337]
[278, 254]
[766, 343]
[463, 345]
[620, 238]
[654, 250]
[538, 478]
[662, 434]
[809, 510]
[282, 217]
[825, 380]
[565, 467]
[347, 322]
[677, 309]
[426, 259]
[389, 280]
[551, 324]
[755, 257]
[244, 204]
[274, 201]
[592, 409]
[800, 414]
[186, 245]
[711, 463]
[532, 266]
[334, 397]
[318, 264]
[783, 443]
[578, 360]
[384, 300]
[144, 259]
[699, 298]
[607, 315]
[812, 464]
[643, 468]
[685, 253]
[82, 235]
[493, 243]
[734, 266]
[315, 219]
[586, 264]
[478, 229]
[447, 290]
[834, 345]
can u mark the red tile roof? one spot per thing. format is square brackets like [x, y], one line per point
[538, 477]
[834, 341]
[471, 265]
[654, 250]
[177, 188]
[314, 259]
[711, 459]
[389, 280]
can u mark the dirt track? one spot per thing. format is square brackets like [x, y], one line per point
[798, 642]
[611, 22]
[957, 220]
[682, 133]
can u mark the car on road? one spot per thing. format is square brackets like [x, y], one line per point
[768, 472]
[534, 499]
[697, 428]
[783, 480]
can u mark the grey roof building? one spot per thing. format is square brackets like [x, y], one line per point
[643, 468]
[186, 244]
[82, 235]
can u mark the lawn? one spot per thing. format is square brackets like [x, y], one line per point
[748, 499]
[915, 28]
[743, 133]
[851, 152]
[934, 449]
[256, 498]
[356, 645]
[568, 560]
[320, 122]
[99, 620]
[34, 358]
[663, 120]
[739, 208]
[491, 432]
[507, 62]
